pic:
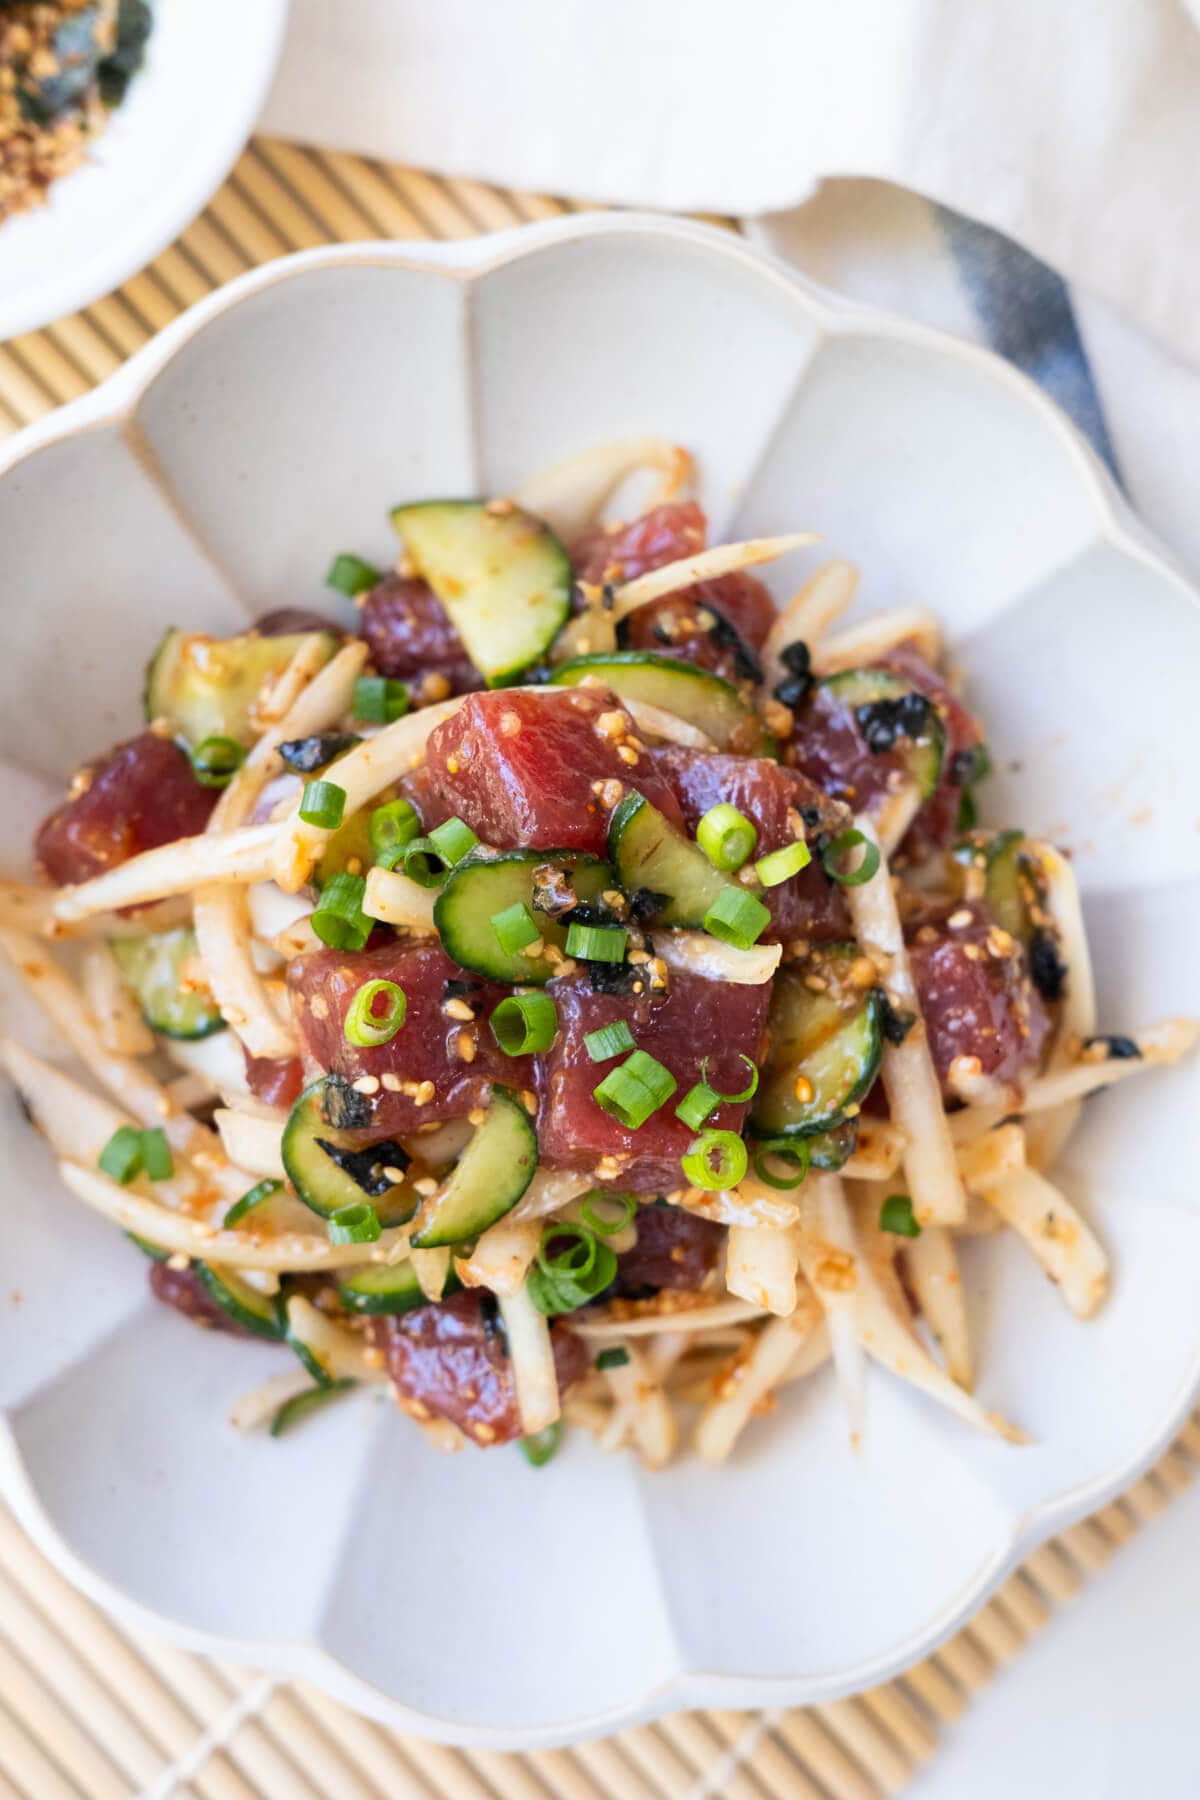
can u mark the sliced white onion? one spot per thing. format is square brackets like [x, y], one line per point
[570, 495]
[532, 1355]
[874, 637]
[397, 900]
[696, 953]
[807, 616]
[761, 1265]
[705, 565]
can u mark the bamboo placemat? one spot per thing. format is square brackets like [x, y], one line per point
[88, 1709]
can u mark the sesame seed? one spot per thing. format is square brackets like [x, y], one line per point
[628, 755]
[529, 1100]
[960, 919]
[178, 1262]
[425, 1186]
[425, 1092]
[476, 1116]
[803, 1089]
[366, 1084]
[510, 724]
[465, 1047]
[816, 984]
[391, 1082]
[612, 724]
[458, 1009]
[395, 1176]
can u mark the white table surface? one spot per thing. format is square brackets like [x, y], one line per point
[1104, 1704]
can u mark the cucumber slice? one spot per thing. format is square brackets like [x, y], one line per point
[155, 1252]
[317, 1178]
[246, 1306]
[491, 1175]
[833, 1149]
[832, 1038]
[697, 695]
[480, 886]
[300, 1406]
[383, 1288]
[502, 576]
[649, 853]
[152, 967]
[204, 687]
[1013, 889]
[921, 756]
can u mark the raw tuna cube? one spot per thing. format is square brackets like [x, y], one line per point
[450, 1362]
[806, 905]
[140, 795]
[409, 633]
[674, 1249]
[711, 623]
[830, 748]
[429, 1046]
[694, 1019]
[528, 771]
[975, 993]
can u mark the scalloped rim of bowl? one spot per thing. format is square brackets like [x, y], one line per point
[113, 403]
[183, 197]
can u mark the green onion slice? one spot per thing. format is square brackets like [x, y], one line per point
[715, 1160]
[574, 1274]
[252, 1198]
[602, 1226]
[216, 760]
[896, 1215]
[793, 1150]
[737, 918]
[390, 828]
[350, 575]
[379, 700]
[514, 928]
[368, 1026]
[121, 1157]
[635, 1089]
[597, 943]
[699, 1103]
[747, 1093]
[323, 803]
[452, 841]
[608, 1041]
[780, 865]
[726, 837]
[616, 1358]
[157, 1160]
[339, 920]
[427, 859]
[839, 847]
[524, 1024]
[358, 1224]
[541, 1445]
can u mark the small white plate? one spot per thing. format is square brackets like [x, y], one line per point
[473, 1597]
[166, 148]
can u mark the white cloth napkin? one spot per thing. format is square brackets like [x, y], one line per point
[1071, 125]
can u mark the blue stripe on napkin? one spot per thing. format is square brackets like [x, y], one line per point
[1026, 314]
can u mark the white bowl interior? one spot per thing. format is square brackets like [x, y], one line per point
[551, 1600]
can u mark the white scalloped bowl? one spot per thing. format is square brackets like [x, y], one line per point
[471, 1597]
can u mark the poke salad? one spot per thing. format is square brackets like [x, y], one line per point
[564, 987]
